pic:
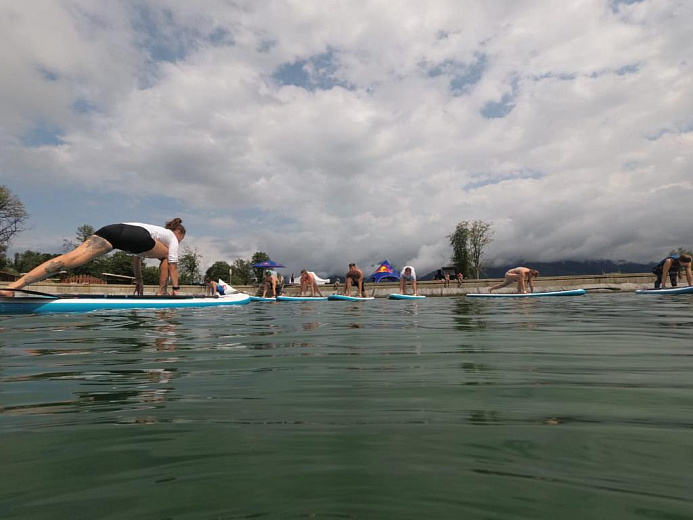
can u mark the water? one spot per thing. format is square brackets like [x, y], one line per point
[442, 408]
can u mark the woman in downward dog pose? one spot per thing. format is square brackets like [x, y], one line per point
[519, 275]
[142, 240]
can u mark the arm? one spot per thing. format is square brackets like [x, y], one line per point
[531, 283]
[689, 277]
[522, 284]
[137, 268]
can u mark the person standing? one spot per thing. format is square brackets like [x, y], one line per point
[671, 267]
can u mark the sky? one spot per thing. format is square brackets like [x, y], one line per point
[328, 132]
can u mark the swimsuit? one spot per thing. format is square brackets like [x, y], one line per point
[127, 237]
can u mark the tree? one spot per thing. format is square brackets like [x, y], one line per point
[12, 217]
[681, 251]
[241, 272]
[468, 242]
[189, 266]
[83, 232]
[218, 270]
[479, 237]
[258, 257]
[26, 261]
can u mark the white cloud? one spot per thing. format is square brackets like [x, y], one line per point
[593, 151]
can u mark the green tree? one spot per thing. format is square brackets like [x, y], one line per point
[26, 261]
[241, 272]
[12, 217]
[218, 270]
[189, 266]
[83, 232]
[681, 251]
[480, 234]
[258, 257]
[468, 242]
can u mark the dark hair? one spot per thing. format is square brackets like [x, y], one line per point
[685, 258]
[176, 225]
[534, 272]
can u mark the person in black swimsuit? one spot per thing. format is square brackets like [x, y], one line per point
[142, 240]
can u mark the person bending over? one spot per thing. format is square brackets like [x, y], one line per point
[308, 280]
[141, 240]
[271, 285]
[408, 274]
[671, 267]
[520, 275]
[354, 276]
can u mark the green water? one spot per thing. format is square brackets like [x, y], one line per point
[442, 408]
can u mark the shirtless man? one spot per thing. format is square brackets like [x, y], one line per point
[271, 282]
[354, 276]
[308, 280]
[408, 274]
[521, 275]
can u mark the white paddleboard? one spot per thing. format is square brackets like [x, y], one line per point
[677, 290]
[343, 298]
[301, 298]
[261, 299]
[574, 292]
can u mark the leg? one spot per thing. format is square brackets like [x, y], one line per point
[402, 285]
[316, 288]
[673, 278]
[163, 276]
[347, 286]
[93, 247]
[504, 283]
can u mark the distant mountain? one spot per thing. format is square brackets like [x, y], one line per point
[566, 268]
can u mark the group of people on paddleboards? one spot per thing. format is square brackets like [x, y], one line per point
[162, 243]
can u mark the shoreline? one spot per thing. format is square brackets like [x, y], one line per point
[605, 283]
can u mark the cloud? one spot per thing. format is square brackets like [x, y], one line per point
[323, 133]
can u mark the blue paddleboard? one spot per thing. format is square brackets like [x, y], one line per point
[301, 298]
[96, 302]
[261, 299]
[396, 296]
[574, 292]
[342, 298]
[677, 290]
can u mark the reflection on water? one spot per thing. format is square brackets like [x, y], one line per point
[440, 408]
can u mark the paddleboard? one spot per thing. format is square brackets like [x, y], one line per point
[396, 296]
[301, 298]
[677, 290]
[574, 292]
[343, 298]
[261, 299]
[95, 302]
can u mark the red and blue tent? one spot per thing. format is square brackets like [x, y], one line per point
[385, 273]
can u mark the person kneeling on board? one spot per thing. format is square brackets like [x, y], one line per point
[408, 274]
[520, 275]
[141, 240]
[671, 267]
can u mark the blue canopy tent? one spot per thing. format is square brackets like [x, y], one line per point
[385, 273]
[267, 264]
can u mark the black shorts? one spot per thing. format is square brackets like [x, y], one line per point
[131, 239]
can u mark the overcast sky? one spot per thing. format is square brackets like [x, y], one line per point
[324, 132]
